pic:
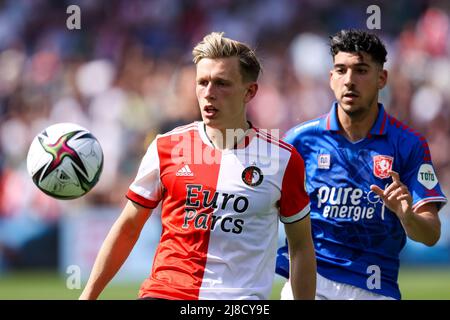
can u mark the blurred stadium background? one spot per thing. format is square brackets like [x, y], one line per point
[126, 76]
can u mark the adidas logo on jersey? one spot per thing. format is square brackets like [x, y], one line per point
[185, 172]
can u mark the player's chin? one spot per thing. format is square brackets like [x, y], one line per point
[349, 105]
[214, 123]
[345, 101]
[210, 120]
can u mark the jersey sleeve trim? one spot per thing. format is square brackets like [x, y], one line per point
[146, 203]
[440, 200]
[296, 217]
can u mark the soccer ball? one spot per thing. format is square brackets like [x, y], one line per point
[65, 161]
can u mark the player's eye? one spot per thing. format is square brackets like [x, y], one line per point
[361, 71]
[221, 83]
[202, 83]
[339, 71]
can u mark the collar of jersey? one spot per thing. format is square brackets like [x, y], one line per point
[242, 144]
[379, 128]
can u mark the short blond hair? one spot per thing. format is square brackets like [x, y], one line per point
[215, 46]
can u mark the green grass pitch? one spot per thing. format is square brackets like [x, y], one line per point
[424, 283]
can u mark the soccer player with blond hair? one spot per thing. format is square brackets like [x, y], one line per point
[221, 196]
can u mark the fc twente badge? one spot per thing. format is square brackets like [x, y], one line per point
[382, 165]
[252, 176]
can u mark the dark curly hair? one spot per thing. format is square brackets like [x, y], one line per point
[357, 41]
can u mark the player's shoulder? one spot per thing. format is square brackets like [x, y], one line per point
[193, 126]
[267, 136]
[166, 141]
[314, 126]
[404, 134]
[406, 140]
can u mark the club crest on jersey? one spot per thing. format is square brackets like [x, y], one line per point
[382, 165]
[252, 176]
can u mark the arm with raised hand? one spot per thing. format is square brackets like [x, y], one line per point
[422, 224]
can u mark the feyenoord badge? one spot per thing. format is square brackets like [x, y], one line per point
[381, 166]
[252, 176]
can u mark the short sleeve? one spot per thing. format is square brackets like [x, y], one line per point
[294, 202]
[420, 177]
[146, 189]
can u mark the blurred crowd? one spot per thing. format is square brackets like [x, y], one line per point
[127, 75]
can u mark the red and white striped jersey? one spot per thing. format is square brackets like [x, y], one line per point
[220, 211]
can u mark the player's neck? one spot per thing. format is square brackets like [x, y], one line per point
[357, 127]
[226, 138]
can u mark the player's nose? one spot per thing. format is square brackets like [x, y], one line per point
[348, 78]
[209, 92]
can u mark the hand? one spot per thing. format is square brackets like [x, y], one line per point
[396, 197]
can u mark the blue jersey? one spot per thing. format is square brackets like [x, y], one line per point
[354, 234]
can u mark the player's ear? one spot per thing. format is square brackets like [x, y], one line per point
[331, 80]
[252, 88]
[382, 78]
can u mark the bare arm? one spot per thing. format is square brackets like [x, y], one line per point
[302, 259]
[116, 248]
[422, 224]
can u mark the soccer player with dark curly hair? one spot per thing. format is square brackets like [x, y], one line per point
[369, 177]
